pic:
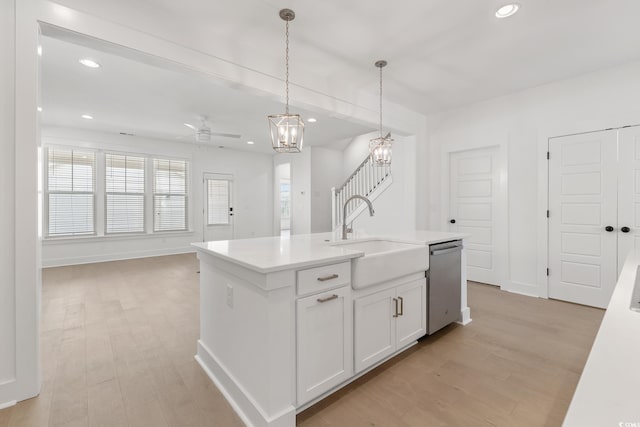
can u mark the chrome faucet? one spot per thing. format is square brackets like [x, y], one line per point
[346, 230]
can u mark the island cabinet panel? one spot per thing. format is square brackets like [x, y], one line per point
[387, 321]
[411, 323]
[324, 342]
[375, 328]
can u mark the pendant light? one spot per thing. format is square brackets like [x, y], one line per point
[287, 130]
[380, 148]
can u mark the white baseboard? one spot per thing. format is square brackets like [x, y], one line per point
[522, 288]
[8, 404]
[90, 259]
[245, 406]
[465, 316]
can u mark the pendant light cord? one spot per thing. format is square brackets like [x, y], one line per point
[380, 102]
[287, 66]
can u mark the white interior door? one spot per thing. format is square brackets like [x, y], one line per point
[474, 186]
[628, 229]
[217, 212]
[582, 204]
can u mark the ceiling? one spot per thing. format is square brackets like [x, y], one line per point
[129, 96]
[442, 53]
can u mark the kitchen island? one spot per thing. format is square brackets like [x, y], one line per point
[286, 321]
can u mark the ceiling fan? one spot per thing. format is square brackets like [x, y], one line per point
[203, 132]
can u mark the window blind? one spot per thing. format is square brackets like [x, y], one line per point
[70, 198]
[124, 187]
[169, 195]
[218, 201]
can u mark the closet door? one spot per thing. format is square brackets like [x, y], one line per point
[628, 193]
[583, 203]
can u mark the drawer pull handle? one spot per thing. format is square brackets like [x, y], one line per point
[395, 300]
[401, 306]
[325, 278]
[332, 297]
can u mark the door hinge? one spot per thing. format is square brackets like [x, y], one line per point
[548, 155]
[547, 271]
[547, 213]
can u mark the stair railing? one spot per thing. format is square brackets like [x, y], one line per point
[363, 181]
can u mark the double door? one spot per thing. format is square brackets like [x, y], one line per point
[594, 212]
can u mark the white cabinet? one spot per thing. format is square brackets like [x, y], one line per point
[324, 342]
[411, 322]
[387, 321]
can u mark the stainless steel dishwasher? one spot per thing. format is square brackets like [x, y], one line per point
[443, 285]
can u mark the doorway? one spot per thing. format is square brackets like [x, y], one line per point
[283, 200]
[217, 221]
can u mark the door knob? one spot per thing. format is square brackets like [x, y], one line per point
[452, 221]
[609, 228]
[625, 229]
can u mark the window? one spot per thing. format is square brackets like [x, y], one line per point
[218, 201]
[70, 192]
[124, 188]
[169, 195]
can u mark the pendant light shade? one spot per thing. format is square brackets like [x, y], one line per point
[287, 130]
[381, 148]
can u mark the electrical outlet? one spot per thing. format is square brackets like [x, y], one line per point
[230, 296]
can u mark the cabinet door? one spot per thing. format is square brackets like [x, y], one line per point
[375, 328]
[411, 324]
[324, 342]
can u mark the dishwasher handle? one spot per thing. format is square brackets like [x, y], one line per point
[446, 250]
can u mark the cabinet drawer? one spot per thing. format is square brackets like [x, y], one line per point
[318, 279]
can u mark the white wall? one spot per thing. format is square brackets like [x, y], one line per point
[326, 172]
[524, 121]
[252, 175]
[7, 220]
[395, 209]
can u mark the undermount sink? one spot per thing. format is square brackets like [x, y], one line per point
[385, 260]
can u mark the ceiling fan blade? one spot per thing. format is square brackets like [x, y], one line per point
[190, 126]
[226, 135]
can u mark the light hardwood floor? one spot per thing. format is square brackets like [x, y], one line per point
[118, 341]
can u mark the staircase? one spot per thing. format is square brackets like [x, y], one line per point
[367, 180]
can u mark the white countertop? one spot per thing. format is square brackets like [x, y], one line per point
[608, 393]
[270, 254]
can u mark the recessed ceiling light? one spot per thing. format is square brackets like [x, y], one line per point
[311, 120]
[89, 63]
[39, 50]
[87, 116]
[40, 109]
[250, 142]
[507, 10]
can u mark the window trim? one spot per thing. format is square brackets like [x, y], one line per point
[187, 190]
[144, 194]
[99, 212]
[46, 192]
